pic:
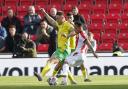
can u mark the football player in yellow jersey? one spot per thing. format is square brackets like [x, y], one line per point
[63, 50]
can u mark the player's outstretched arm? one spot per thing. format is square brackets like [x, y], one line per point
[50, 19]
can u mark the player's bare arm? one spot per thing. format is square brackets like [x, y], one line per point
[51, 20]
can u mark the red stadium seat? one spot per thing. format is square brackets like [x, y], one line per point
[114, 8]
[84, 8]
[21, 19]
[99, 9]
[105, 47]
[108, 38]
[124, 46]
[11, 2]
[97, 37]
[5, 9]
[42, 48]
[123, 37]
[97, 18]
[90, 2]
[101, 2]
[67, 8]
[1, 2]
[41, 2]
[125, 8]
[22, 10]
[116, 1]
[0, 11]
[1, 17]
[95, 28]
[57, 6]
[124, 18]
[26, 2]
[112, 18]
[123, 28]
[73, 2]
[86, 17]
[33, 37]
[61, 2]
[111, 28]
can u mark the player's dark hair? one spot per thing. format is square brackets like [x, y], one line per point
[69, 14]
[78, 23]
[11, 26]
[60, 13]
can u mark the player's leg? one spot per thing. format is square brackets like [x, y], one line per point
[85, 73]
[61, 57]
[66, 74]
[84, 70]
[56, 69]
[45, 69]
[55, 58]
[66, 70]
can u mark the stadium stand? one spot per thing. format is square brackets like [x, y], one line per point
[115, 8]
[26, 2]
[112, 18]
[123, 28]
[105, 47]
[84, 8]
[22, 10]
[42, 48]
[101, 2]
[99, 9]
[41, 2]
[97, 18]
[124, 46]
[11, 2]
[124, 18]
[123, 37]
[116, 1]
[108, 38]
[95, 28]
[111, 28]
[97, 36]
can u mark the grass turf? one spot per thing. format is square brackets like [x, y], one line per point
[98, 82]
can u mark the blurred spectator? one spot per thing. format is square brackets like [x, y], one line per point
[79, 18]
[92, 40]
[12, 39]
[52, 13]
[11, 19]
[31, 21]
[46, 35]
[3, 35]
[26, 47]
[117, 50]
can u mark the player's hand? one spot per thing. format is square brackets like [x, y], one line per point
[95, 55]
[42, 10]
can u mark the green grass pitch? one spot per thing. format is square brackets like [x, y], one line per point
[98, 82]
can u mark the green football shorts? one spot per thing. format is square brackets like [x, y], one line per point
[61, 55]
